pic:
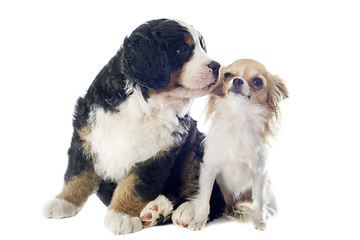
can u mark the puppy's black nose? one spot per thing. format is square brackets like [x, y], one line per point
[215, 66]
[237, 82]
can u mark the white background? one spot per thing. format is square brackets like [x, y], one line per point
[51, 51]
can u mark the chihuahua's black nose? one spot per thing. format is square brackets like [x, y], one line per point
[237, 82]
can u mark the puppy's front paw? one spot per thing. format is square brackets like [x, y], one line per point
[119, 223]
[59, 208]
[185, 216]
[156, 211]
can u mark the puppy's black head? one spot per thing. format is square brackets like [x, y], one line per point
[153, 51]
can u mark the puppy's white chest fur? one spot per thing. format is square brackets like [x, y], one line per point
[134, 134]
[234, 144]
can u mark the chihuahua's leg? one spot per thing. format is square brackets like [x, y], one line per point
[260, 179]
[259, 205]
[194, 214]
[271, 206]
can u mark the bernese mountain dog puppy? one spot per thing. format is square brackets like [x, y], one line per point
[134, 143]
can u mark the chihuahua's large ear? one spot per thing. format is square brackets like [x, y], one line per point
[279, 93]
[144, 61]
[218, 91]
[210, 108]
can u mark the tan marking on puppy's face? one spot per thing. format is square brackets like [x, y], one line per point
[195, 78]
[189, 40]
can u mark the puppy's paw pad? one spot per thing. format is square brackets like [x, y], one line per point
[59, 208]
[119, 223]
[156, 211]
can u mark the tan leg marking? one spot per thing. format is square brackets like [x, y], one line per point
[125, 199]
[79, 188]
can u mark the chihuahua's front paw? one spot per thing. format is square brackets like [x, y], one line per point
[259, 222]
[119, 223]
[183, 215]
[259, 217]
[260, 226]
[186, 216]
[198, 223]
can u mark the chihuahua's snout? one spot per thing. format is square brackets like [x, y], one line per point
[237, 82]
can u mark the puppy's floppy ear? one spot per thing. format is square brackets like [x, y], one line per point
[144, 61]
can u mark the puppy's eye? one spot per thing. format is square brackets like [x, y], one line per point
[182, 49]
[202, 43]
[228, 75]
[257, 82]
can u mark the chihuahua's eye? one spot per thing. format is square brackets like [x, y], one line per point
[257, 82]
[228, 75]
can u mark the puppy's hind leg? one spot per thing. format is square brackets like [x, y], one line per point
[80, 182]
[73, 196]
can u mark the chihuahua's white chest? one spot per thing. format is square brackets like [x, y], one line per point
[234, 145]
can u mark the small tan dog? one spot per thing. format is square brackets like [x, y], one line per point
[245, 112]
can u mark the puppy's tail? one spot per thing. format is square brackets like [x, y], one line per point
[243, 211]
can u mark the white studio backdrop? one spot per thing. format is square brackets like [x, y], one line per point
[50, 51]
